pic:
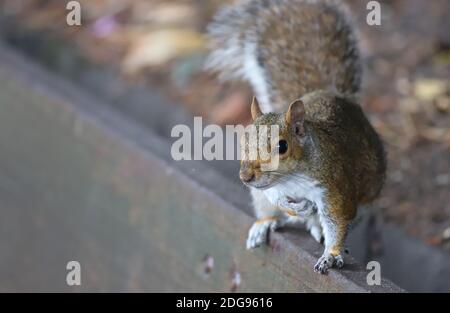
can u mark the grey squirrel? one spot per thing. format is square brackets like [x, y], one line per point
[302, 60]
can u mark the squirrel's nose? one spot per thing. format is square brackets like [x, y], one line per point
[246, 176]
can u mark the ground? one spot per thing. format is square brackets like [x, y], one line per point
[406, 82]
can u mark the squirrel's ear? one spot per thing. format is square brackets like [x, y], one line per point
[295, 117]
[256, 111]
[296, 112]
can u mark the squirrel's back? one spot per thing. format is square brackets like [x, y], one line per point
[286, 48]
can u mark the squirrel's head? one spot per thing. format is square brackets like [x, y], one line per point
[267, 156]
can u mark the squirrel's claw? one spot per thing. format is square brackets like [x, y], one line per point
[324, 263]
[339, 261]
[258, 233]
[302, 207]
[327, 261]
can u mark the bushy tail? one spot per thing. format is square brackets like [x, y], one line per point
[233, 44]
[285, 48]
[228, 33]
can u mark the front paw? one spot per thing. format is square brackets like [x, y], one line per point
[259, 232]
[327, 261]
[301, 207]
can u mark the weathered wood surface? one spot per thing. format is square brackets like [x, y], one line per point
[80, 182]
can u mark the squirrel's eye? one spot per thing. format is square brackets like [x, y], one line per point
[282, 146]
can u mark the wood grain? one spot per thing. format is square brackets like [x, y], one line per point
[78, 181]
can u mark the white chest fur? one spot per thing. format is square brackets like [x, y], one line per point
[297, 186]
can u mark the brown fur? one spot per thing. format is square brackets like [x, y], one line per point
[306, 48]
[302, 46]
[291, 49]
[339, 148]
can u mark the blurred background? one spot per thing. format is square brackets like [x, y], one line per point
[161, 44]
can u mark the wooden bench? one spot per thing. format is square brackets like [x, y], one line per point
[80, 181]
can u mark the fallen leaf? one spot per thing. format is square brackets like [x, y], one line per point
[160, 47]
[168, 13]
[234, 109]
[429, 89]
[434, 240]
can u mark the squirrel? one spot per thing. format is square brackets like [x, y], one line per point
[301, 58]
